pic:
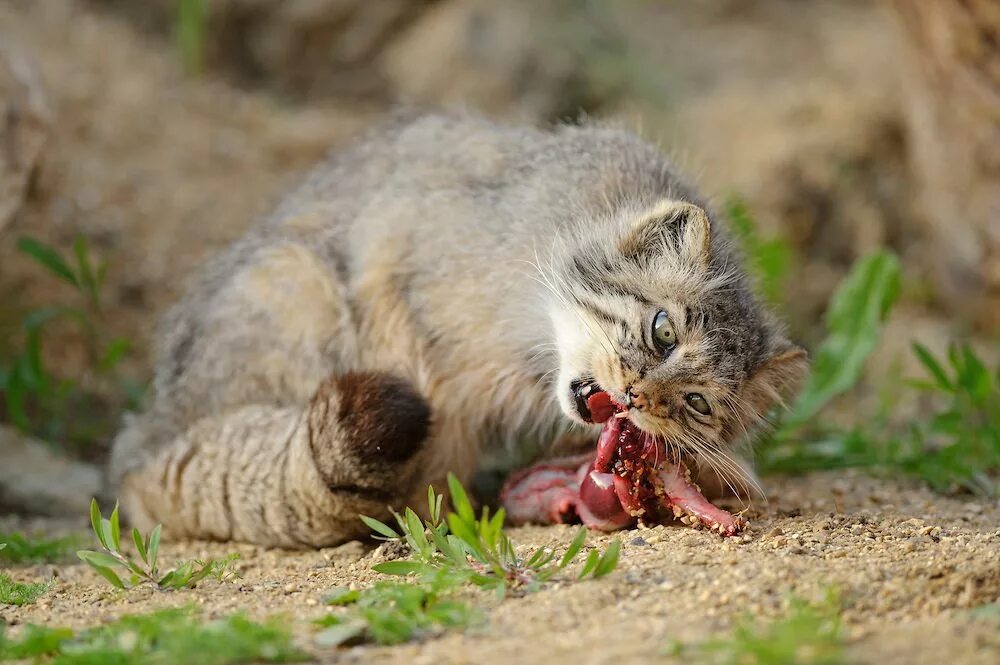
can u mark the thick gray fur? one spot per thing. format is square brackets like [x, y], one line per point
[423, 299]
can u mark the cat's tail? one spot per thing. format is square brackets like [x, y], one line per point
[278, 476]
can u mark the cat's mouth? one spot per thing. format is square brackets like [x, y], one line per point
[593, 403]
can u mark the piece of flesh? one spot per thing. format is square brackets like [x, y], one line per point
[630, 478]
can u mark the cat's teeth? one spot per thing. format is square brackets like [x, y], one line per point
[586, 390]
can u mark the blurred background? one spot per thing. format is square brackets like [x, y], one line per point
[136, 138]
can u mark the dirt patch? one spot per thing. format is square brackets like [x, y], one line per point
[155, 169]
[910, 564]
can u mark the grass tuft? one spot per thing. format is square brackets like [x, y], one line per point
[18, 548]
[954, 446]
[476, 549]
[807, 634]
[185, 574]
[37, 401]
[166, 636]
[18, 593]
[449, 553]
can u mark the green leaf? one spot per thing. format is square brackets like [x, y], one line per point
[379, 527]
[495, 526]
[609, 560]
[201, 573]
[110, 576]
[933, 367]
[140, 546]
[460, 500]
[854, 321]
[154, 547]
[401, 568]
[98, 559]
[593, 558]
[189, 33]
[108, 532]
[116, 531]
[415, 529]
[768, 260]
[535, 557]
[113, 353]
[438, 500]
[95, 522]
[88, 282]
[465, 532]
[341, 596]
[574, 547]
[48, 258]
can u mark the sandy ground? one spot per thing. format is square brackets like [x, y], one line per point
[910, 565]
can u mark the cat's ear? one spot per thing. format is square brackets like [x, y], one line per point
[776, 379]
[670, 226]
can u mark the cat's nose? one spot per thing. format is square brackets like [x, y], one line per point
[634, 400]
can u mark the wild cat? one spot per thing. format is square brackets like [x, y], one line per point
[432, 294]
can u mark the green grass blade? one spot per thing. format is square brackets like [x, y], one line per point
[116, 349]
[854, 320]
[189, 33]
[932, 366]
[98, 559]
[609, 560]
[110, 576]
[574, 547]
[85, 270]
[95, 522]
[109, 537]
[468, 536]
[341, 596]
[460, 500]
[432, 505]
[401, 568]
[379, 527]
[48, 258]
[154, 547]
[535, 557]
[140, 545]
[116, 531]
[593, 558]
[415, 530]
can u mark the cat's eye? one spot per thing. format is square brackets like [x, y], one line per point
[698, 403]
[663, 333]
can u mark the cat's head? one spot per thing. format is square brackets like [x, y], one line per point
[653, 308]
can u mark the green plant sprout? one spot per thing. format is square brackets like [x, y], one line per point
[769, 260]
[18, 548]
[185, 574]
[807, 634]
[395, 612]
[36, 401]
[189, 33]
[448, 552]
[477, 548]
